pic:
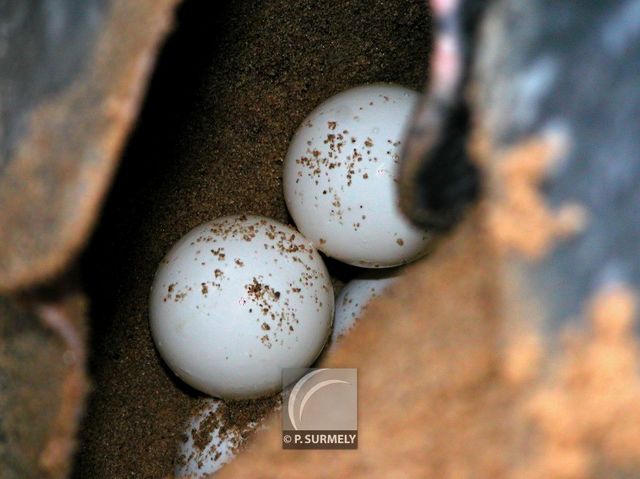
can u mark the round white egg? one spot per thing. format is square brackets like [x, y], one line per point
[198, 461]
[340, 177]
[354, 299]
[235, 301]
[210, 442]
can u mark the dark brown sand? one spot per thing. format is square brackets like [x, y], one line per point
[231, 86]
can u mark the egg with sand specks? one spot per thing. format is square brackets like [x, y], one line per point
[340, 176]
[235, 301]
[208, 444]
[215, 434]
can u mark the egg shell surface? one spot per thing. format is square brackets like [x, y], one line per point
[235, 301]
[210, 441]
[198, 461]
[340, 176]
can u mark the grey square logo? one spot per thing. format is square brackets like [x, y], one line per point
[320, 408]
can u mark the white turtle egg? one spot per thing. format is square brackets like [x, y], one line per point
[354, 299]
[210, 442]
[340, 176]
[198, 460]
[235, 301]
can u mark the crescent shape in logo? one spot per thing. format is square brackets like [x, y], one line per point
[294, 394]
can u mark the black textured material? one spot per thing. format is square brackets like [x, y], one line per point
[447, 181]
